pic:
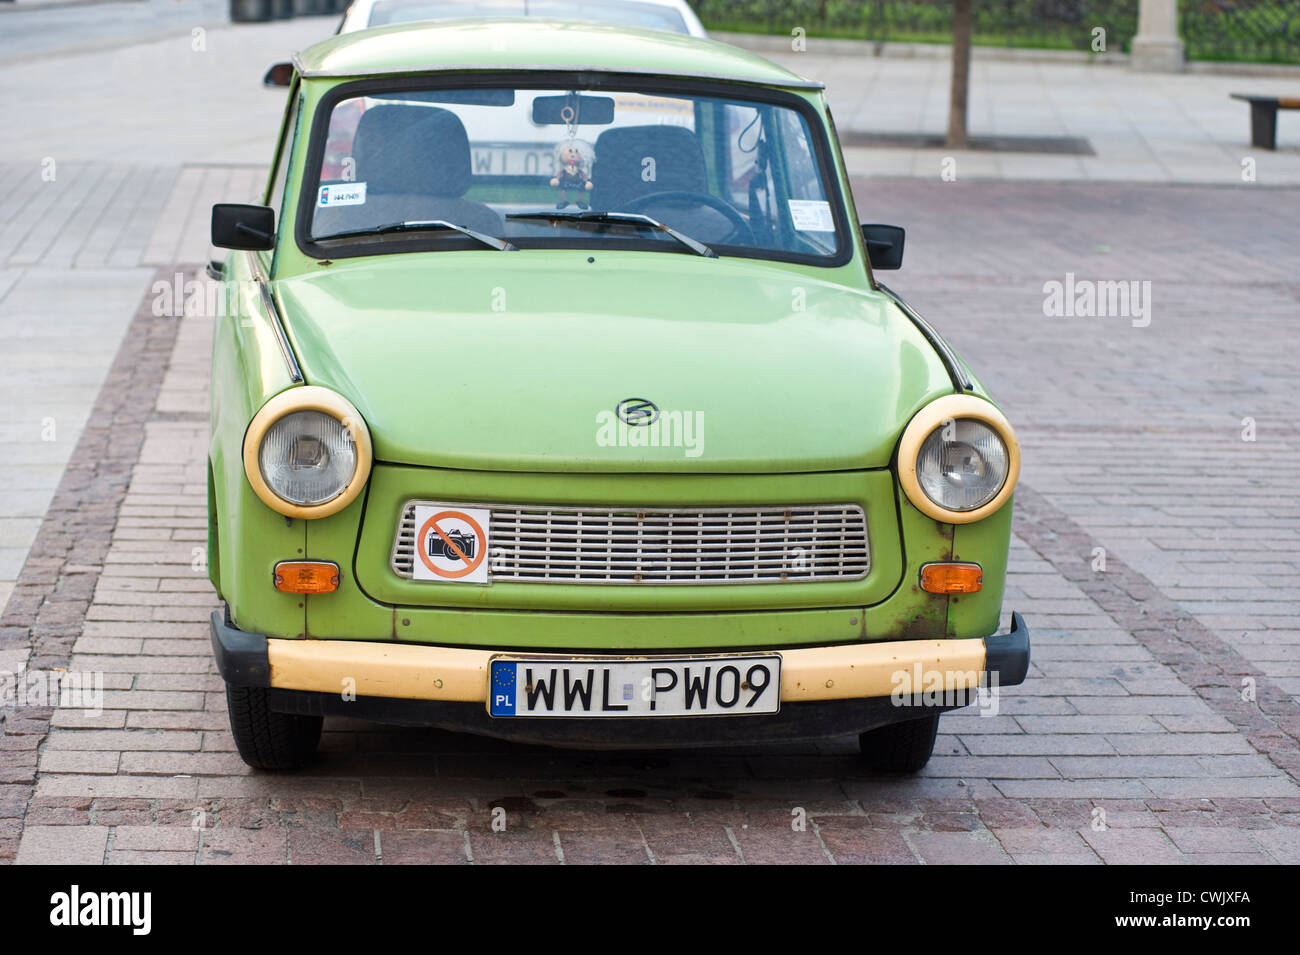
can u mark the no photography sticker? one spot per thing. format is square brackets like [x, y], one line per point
[451, 545]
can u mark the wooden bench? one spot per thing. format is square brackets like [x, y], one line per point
[1263, 117]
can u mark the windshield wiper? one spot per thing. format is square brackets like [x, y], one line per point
[418, 225]
[635, 218]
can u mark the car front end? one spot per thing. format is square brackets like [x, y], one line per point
[578, 477]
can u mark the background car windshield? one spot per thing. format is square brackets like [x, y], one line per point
[741, 176]
[624, 13]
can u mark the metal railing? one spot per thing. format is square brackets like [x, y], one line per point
[1255, 30]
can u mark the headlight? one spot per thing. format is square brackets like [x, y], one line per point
[962, 464]
[307, 453]
[307, 458]
[958, 460]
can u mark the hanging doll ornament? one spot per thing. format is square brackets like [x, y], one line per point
[573, 172]
[573, 161]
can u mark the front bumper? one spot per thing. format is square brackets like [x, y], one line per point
[825, 691]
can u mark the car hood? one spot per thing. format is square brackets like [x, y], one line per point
[517, 361]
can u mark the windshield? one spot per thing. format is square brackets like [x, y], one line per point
[624, 13]
[739, 176]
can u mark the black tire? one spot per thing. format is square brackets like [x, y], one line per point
[900, 747]
[266, 739]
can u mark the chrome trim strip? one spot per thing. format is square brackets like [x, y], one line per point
[277, 323]
[960, 380]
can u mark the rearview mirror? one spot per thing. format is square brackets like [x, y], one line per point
[884, 245]
[573, 110]
[278, 75]
[247, 228]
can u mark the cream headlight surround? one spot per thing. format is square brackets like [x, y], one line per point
[931, 418]
[292, 401]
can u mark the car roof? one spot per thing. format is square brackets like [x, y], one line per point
[357, 16]
[535, 44]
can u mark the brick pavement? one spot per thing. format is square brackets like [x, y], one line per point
[1129, 743]
[75, 251]
[120, 131]
[1137, 432]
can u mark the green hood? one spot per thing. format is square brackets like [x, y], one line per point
[505, 361]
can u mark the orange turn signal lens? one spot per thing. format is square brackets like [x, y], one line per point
[952, 578]
[306, 577]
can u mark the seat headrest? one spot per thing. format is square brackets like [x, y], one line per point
[421, 150]
[618, 174]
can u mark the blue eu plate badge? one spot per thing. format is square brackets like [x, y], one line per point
[503, 688]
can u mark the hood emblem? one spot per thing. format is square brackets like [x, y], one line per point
[637, 412]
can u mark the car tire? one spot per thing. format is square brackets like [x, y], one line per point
[900, 747]
[267, 739]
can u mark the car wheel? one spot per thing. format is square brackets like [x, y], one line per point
[900, 747]
[267, 739]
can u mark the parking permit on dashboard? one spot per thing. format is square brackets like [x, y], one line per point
[811, 215]
[341, 194]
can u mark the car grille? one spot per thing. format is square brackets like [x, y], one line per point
[569, 545]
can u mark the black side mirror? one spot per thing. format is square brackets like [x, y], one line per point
[278, 75]
[884, 245]
[249, 228]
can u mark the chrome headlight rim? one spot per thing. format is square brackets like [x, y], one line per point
[307, 398]
[930, 418]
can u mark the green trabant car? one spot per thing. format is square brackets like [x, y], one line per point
[561, 404]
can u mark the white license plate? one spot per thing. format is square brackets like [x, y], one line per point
[686, 686]
[506, 159]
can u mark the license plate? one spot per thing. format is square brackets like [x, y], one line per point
[509, 159]
[687, 686]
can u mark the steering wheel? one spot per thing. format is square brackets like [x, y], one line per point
[740, 233]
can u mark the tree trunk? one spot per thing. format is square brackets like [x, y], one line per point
[961, 25]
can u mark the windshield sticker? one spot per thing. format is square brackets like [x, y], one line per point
[343, 194]
[811, 215]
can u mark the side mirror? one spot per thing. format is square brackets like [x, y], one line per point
[248, 228]
[278, 75]
[884, 245]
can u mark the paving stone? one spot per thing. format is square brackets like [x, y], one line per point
[1060, 844]
[1133, 846]
[958, 848]
[527, 847]
[244, 847]
[442, 847]
[141, 857]
[1283, 845]
[155, 839]
[613, 848]
[1191, 839]
[332, 846]
[63, 845]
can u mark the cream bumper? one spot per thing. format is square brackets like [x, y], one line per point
[408, 671]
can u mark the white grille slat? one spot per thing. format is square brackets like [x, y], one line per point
[568, 545]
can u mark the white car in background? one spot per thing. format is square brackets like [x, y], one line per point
[674, 16]
[495, 146]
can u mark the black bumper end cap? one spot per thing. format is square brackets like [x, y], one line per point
[1007, 654]
[242, 658]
